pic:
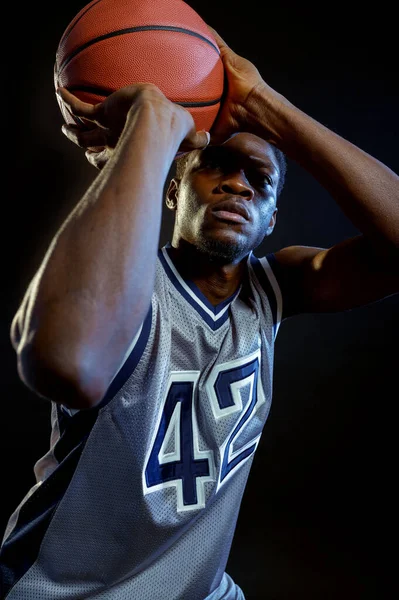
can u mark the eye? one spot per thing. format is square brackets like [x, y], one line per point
[211, 163]
[263, 179]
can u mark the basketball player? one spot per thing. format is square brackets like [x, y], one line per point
[159, 362]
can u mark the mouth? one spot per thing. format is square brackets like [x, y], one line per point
[231, 217]
[231, 211]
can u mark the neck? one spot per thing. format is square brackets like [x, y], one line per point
[216, 280]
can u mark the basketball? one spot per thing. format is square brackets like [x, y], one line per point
[110, 44]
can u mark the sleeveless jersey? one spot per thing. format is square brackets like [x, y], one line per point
[138, 498]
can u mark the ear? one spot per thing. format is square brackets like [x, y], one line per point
[272, 222]
[172, 192]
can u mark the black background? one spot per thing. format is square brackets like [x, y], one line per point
[318, 512]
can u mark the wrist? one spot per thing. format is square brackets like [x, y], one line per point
[161, 119]
[151, 138]
[269, 115]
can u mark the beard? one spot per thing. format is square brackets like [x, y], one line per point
[221, 252]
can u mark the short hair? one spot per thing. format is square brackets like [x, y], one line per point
[183, 161]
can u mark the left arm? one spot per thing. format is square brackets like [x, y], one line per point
[359, 270]
[366, 190]
[351, 273]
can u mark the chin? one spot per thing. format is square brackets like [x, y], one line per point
[223, 251]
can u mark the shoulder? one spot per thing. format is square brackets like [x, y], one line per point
[295, 270]
[290, 278]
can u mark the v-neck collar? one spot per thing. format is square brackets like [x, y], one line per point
[214, 316]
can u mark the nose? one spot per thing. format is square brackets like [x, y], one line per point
[237, 184]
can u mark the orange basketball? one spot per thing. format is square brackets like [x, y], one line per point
[114, 43]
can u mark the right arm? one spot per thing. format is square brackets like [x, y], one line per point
[93, 289]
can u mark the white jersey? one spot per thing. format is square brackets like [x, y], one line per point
[138, 498]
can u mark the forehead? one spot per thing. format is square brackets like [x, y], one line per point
[244, 147]
[249, 144]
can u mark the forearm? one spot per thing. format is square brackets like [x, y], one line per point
[97, 277]
[366, 189]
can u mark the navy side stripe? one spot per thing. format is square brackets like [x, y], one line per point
[37, 512]
[131, 362]
[21, 549]
[73, 431]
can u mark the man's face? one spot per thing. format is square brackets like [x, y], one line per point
[240, 175]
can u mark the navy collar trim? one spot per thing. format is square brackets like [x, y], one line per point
[214, 316]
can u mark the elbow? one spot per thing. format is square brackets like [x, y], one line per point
[62, 384]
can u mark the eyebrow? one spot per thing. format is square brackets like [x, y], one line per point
[262, 162]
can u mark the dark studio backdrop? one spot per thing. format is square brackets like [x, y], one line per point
[318, 511]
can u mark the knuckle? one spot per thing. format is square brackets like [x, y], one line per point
[150, 89]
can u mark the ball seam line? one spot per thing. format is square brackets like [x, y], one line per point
[100, 38]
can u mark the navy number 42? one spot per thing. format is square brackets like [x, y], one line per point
[175, 458]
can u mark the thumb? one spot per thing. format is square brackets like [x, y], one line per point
[198, 140]
[202, 139]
